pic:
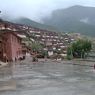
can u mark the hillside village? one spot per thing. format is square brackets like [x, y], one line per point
[13, 45]
[47, 47]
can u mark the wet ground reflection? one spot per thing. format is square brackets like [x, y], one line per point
[48, 78]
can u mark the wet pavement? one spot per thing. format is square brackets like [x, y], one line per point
[48, 78]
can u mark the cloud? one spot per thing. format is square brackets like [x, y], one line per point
[36, 9]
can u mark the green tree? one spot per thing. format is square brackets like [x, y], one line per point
[80, 48]
[69, 53]
[37, 47]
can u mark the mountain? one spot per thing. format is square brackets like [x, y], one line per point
[29, 22]
[73, 19]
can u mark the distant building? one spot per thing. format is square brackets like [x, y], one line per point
[25, 49]
[50, 53]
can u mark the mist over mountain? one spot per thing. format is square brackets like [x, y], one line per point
[73, 19]
[28, 22]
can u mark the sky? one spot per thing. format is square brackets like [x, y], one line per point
[37, 9]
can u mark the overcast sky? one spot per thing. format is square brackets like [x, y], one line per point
[36, 9]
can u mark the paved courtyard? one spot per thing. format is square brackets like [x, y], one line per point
[47, 78]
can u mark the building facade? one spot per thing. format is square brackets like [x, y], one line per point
[11, 45]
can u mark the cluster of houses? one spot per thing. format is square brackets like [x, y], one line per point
[13, 48]
[54, 43]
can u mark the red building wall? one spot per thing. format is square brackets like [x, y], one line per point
[13, 46]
